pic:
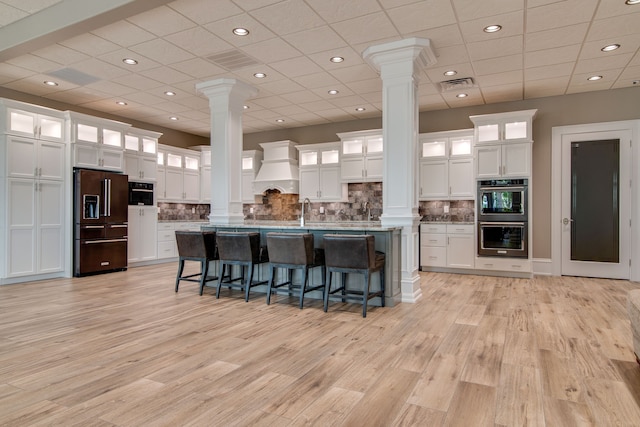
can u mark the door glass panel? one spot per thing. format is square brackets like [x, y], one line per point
[330, 157]
[131, 142]
[22, 122]
[595, 172]
[51, 128]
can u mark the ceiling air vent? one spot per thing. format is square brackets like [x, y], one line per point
[74, 76]
[457, 84]
[232, 60]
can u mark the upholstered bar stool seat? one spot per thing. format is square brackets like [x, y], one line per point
[242, 249]
[293, 251]
[347, 254]
[196, 246]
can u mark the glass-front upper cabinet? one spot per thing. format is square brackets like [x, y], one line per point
[95, 130]
[514, 126]
[34, 121]
[449, 144]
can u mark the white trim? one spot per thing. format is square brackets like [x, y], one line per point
[541, 266]
[556, 182]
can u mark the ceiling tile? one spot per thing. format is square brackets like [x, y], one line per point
[60, 54]
[359, 30]
[162, 51]
[315, 40]
[288, 17]
[563, 36]
[609, 8]
[99, 69]
[137, 81]
[295, 67]
[437, 74]
[272, 50]
[366, 86]
[166, 75]
[11, 14]
[512, 24]
[544, 88]
[112, 88]
[224, 29]
[199, 42]
[629, 44]
[301, 97]
[605, 29]
[322, 104]
[117, 56]
[448, 35]
[340, 10]
[508, 77]
[558, 55]
[469, 10]
[451, 55]
[90, 44]
[161, 21]
[316, 80]
[431, 103]
[599, 64]
[198, 68]
[34, 63]
[421, 15]
[281, 87]
[202, 12]
[502, 46]
[355, 73]
[351, 58]
[498, 65]
[503, 93]
[9, 72]
[548, 72]
[560, 14]
[123, 33]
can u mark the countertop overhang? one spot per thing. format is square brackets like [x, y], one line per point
[310, 225]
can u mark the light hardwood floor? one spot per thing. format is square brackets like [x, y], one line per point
[124, 350]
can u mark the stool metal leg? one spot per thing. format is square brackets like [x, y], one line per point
[327, 289]
[271, 278]
[203, 277]
[365, 293]
[180, 270]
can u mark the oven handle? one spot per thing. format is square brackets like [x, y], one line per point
[90, 242]
[140, 190]
[502, 188]
[508, 224]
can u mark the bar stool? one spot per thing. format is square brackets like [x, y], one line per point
[242, 249]
[196, 246]
[293, 251]
[353, 254]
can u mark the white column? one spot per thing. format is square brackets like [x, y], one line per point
[226, 99]
[399, 64]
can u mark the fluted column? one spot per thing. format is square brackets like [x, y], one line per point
[399, 64]
[226, 100]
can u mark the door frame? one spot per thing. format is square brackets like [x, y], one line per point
[556, 188]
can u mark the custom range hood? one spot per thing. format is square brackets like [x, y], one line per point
[279, 168]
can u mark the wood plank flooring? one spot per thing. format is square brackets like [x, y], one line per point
[124, 349]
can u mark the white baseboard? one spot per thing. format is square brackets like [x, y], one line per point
[542, 266]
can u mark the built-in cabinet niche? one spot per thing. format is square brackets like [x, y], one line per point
[178, 177]
[446, 165]
[362, 156]
[320, 175]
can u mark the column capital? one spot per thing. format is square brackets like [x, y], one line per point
[416, 50]
[236, 89]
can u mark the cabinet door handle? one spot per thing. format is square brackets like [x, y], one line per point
[35, 172]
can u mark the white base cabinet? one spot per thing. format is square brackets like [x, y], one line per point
[447, 246]
[167, 246]
[142, 233]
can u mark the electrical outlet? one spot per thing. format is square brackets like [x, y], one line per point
[321, 209]
[251, 210]
[446, 209]
[193, 210]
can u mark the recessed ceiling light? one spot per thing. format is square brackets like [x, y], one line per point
[50, 83]
[333, 92]
[610, 47]
[130, 61]
[336, 59]
[121, 103]
[169, 93]
[594, 78]
[246, 107]
[631, 2]
[240, 31]
[174, 118]
[450, 73]
[280, 120]
[259, 75]
[461, 95]
[492, 28]
[360, 109]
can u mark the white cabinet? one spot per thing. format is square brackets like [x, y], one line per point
[178, 175]
[446, 165]
[320, 178]
[142, 233]
[503, 144]
[34, 123]
[167, 246]
[35, 159]
[362, 156]
[251, 161]
[97, 143]
[447, 246]
[140, 156]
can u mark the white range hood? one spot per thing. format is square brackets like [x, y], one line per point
[279, 170]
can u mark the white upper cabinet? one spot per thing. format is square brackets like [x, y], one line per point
[141, 152]
[178, 175]
[503, 144]
[320, 178]
[446, 165]
[35, 125]
[362, 156]
[251, 161]
[514, 126]
[97, 143]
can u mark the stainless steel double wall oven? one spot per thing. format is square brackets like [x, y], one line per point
[503, 218]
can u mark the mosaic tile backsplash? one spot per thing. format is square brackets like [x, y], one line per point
[286, 207]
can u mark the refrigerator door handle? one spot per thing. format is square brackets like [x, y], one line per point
[91, 242]
[105, 201]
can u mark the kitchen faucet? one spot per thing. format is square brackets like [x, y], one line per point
[306, 200]
[367, 209]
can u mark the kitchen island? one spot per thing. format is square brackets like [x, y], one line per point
[387, 241]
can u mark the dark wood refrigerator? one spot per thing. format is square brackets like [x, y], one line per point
[100, 221]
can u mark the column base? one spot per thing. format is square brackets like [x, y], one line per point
[410, 289]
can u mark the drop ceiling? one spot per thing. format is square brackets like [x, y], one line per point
[545, 48]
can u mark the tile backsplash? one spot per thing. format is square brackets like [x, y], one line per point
[286, 207]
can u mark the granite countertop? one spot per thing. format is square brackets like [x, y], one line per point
[183, 220]
[311, 225]
[449, 222]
